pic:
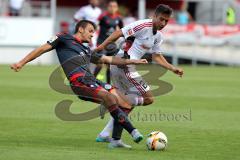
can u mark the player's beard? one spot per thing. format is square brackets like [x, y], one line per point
[160, 28]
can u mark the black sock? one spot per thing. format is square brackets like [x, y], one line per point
[97, 70]
[117, 128]
[121, 118]
[117, 131]
[108, 76]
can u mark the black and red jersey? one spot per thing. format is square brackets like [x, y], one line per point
[73, 56]
[108, 24]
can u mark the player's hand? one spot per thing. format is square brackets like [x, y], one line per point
[99, 48]
[178, 71]
[140, 61]
[16, 67]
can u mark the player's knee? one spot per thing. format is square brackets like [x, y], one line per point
[110, 99]
[148, 100]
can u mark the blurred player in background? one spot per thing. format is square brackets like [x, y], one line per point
[145, 37]
[15, 7]
[75, 58]
[89, 12]
[109, 22]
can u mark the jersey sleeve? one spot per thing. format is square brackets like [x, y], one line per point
[101, 20]
[157, 46]
[134, 29]
[95, 56]
[101, 16]
[54, 41]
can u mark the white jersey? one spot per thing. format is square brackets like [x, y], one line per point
[127, 79]
[16, 4]
[145, 41]
[88, 13]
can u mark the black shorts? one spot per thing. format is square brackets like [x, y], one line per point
[88, 90]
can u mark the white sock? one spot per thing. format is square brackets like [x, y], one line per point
[107, 130]
[116, 141]
[135, 99]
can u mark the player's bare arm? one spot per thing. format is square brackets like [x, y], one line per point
[120, 61]
[159, 59]
[112, 38]
[31, 56]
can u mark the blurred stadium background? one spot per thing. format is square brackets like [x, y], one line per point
[207, 37]
[29, 128]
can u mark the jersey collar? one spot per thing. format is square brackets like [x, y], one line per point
[77, 39]
[113, 15]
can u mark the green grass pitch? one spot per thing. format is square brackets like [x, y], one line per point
[206, 101]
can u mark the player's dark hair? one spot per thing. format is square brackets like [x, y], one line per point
[162, 8]
[83, 24]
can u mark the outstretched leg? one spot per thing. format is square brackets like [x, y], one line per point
[120, 117]
[97, 93]
[124, 102]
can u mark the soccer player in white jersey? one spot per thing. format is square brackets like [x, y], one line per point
[89, 12]
[147, 39]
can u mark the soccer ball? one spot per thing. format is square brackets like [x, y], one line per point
[156, 140]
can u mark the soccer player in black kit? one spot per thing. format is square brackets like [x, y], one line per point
[109, 21]
[75, 58]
